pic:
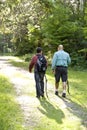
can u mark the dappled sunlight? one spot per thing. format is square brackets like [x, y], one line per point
[24, 85]
[53, 109]
[25, 100]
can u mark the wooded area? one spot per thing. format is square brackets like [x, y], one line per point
[26, 24]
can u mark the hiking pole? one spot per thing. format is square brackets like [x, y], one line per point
[68, 87]
[46, 85]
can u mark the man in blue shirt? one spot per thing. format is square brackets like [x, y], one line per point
[60, 62]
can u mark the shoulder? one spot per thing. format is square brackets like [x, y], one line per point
[66, 53]
[34, 58]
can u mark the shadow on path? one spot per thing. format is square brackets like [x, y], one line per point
[77, 110]
[51, 111]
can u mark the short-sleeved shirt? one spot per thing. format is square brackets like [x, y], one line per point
[61, 58]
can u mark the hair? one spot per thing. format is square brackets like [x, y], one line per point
[38, 49]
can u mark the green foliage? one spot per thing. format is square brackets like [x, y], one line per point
[58, 27]
[26, 24]
[10, 114]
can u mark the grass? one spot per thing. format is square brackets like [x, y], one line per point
[54, 118]
[19, 63]
[10, 114]
[78, 82]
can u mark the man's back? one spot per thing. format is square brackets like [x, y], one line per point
[61, 58]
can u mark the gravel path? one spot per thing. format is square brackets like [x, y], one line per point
[23, 82]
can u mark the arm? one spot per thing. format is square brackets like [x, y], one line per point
[54, 62]
[32, 63]
[69, 59]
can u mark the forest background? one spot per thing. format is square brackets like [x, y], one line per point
[26, 24]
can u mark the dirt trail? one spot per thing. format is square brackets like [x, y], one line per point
[23, 82]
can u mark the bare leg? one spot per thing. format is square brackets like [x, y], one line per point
[64, 86]
[64, 89]
[56, 88]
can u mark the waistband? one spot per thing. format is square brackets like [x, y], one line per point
[62, 66]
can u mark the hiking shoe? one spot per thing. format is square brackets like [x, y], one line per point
[56, 93]
[38, 97]
[42, 95]
[64, 95]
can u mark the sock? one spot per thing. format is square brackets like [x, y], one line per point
[64, 91]
[56, 90]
